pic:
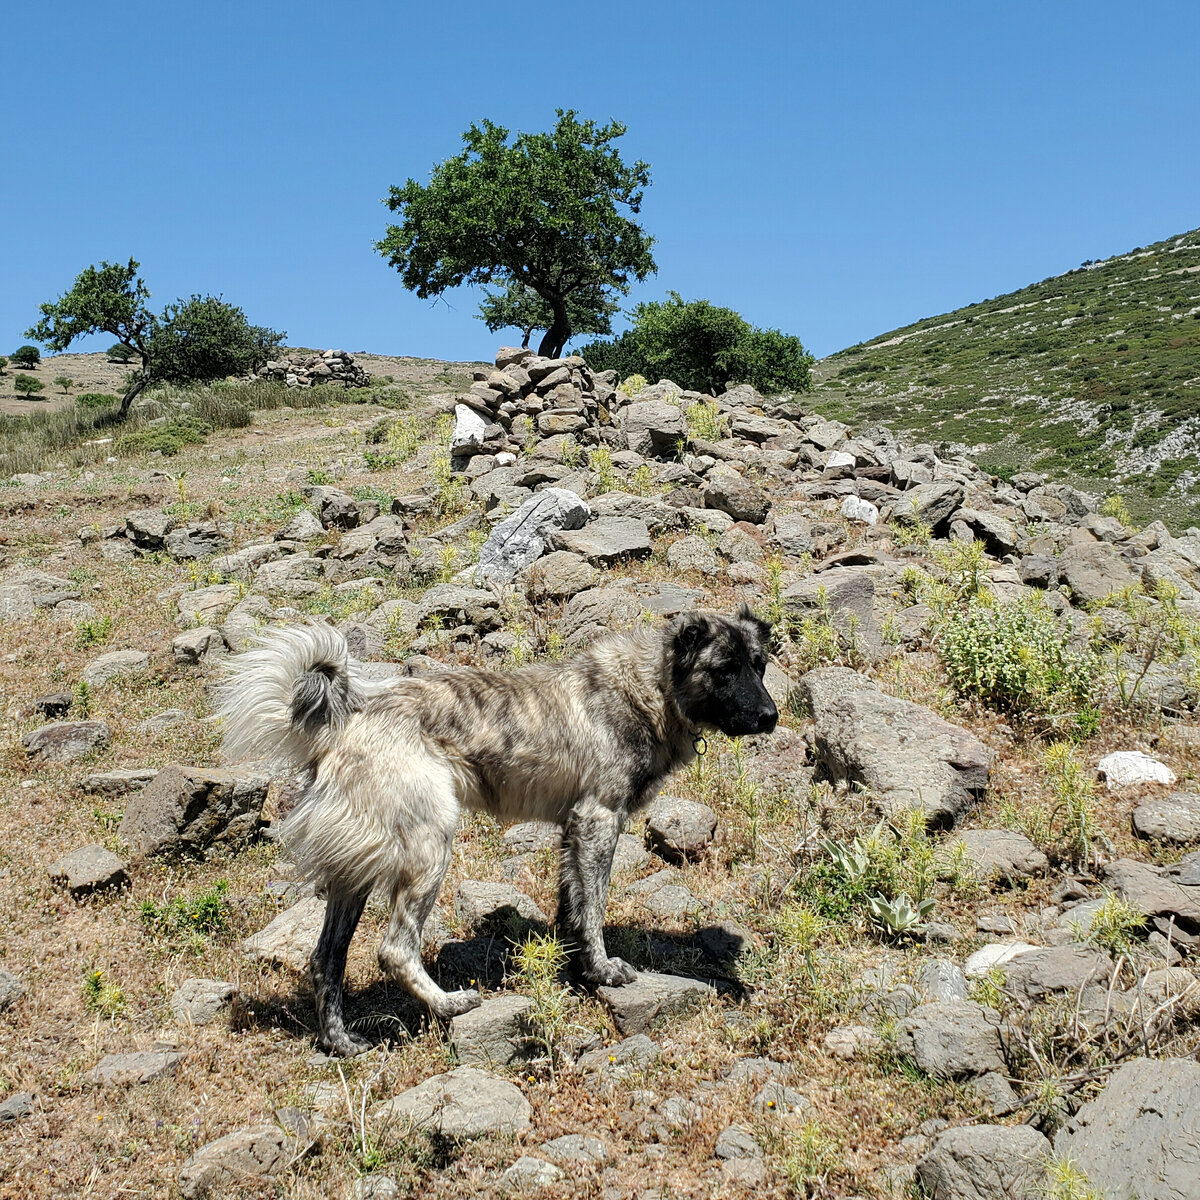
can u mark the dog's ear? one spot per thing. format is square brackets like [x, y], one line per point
[764, 627]
[688, 635]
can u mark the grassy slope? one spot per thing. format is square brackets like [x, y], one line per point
[1093, 376]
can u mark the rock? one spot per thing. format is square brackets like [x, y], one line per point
[494, 1034]
[733, 495]
[451, 604]
[654, 428]
[578, 1150]
[66, 741]
[1093, 571]
[635, 1006]
[335, 509]
[952, 1039]
[290, 938]
[16, 603]
[996, 954]
[227, 1163]
[995, 1093]
[532, 835]
[51, 707]
[1001, 854]
[148, 530]
[376, 1187]
[16, 1107]
[201, 540]
[1174, 818]
[607, 540]
[846, 597]
[470, 431]
[635, 1051]
[903, 754]
[1141, 1136]
[529, 1172]
[187, 810]
[11, 990]
[671, 902]
[117, 783]
[559, 576]
[630, 855]
[997, 533]
[198, 645]
[169, 718]
[461, 1105]
[478, 904]
[89, 869]
[693, 553]
[303, 527]
[849, 1041]
[1155, 893]
[1036, 974]
[735, 1142]
[942, 981]
[680, 830]
[792, 533]
[929, 504]
[1039, 570]
[855, 509]
[207, 605]
[142, 1066]
[986, 1162]
[115, 665]
[1125, 768]
[521, 538]
[201, 1001]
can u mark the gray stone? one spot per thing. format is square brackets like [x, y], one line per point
[997, 533]
[206, 605]
[89, 869]
[1153, 892]
[66, 741]
[792, 533]
[117, 783]
[995, 1093]
[148, 530]
[1001, 854]
[941, 980]
[335, 509]
[693, 553]
[680, 830]
[480, 903]
[952, 1039]
[607, 540]
[559, 576]
[1128, 768]
[494, 1034]
[630, 855]
[199, 540]
[633, 1052]
[532, 835]
[929, 503]
[778, 1099]
[653, 428]
[521, 538]
[1039, 973]
[16, 1107]
[453, 604]
[636, 1006]
[577, 1150]
[117, 664]
[596, 611]
[303, 527]
[903, 754]
[16, 603]
[849, 1041]
[169, 718]
[187, 810]
[671, 902]
[227, 1163]
[290, 938]
[11, 990]
[201, 1001]
[1039, 570]
[376, 1187]
[1174, 818]
[528, 1172]
[1093, 571]
[1141, 1136]
[142, 1066]
[733, 495]
[986, 1162]
[461, 1105]
[847, 596]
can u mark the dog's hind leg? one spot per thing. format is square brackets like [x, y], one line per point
[328, 967]
[589, 842]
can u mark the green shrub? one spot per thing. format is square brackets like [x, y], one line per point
[26, 385]
[3, 364]
[100, 996]
[168, 439]
[772, 362]
[65, 382]
[620, 354]
[120, 354]
[204, 338]
[191, 918]
[26, 356]
[1015, 659]
[97, 400]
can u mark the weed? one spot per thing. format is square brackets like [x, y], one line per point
[705, 421]
[1115, 925]
[81, 699]
[901, 915]
[600, 461]
[633, 385]
[1114, 505]
[641, 481]
[1074, 795]
[93, 631]
[1066, 1181]
[449, 498]
[809, 1156]
[965, 564]
[101, 996]
[191, 919]
[539, 960]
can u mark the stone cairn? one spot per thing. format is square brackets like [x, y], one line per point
[308, 370]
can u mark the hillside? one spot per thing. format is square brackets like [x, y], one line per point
[1092, 376]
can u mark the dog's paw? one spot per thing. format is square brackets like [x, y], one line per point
[458, 1003]
[345, 1045]
[612, 972]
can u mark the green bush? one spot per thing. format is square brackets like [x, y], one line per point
[26, 385]
[168, 439]
[3, 364]
[97, 400]
[120, 354]
[621, 354]
[772, 362]
[1015, 659]
[189, 917]
[204, 338]
[26, 356]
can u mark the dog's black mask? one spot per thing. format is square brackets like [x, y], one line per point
[717, 666]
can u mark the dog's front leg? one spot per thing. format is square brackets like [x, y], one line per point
[589, 842]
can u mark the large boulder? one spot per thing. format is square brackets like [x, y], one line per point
[1001, 854]
[187, 810]
[952, 1039]
[1174, 818]
[929, 504]
[1093, 571]
[1140, 1138]
[607, 540]
[653, 428]
[731, 494]
[985, 1162]
[846, 597]
[636, 1006]
[459, 1106]
[521, 538]
[1155, 893]
[903, 754]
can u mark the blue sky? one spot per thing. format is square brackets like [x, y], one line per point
[833, 170]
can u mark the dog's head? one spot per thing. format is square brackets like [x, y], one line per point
[717, 666]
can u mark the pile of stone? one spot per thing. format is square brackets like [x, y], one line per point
[308, 370]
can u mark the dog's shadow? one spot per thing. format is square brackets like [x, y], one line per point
[384, 1012]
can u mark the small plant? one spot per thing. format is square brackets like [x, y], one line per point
[910, 532]
[852, 862]
[965, 564]
[641, 481]
[1075, 795]
[539, 961]
[1115, 925]
[809, 1156]
[102, 997]
[26, 385]
[26, 356]
[601, 462]
[97, 400]
[81, 699]
[1155, 631]
[1065, 1181]
[449, 486]
[93, 631]
[120, 354]
[3, 364]
[800, 930]
[570, 453]
[65, 382]
[633, 385]
[167, 439]
[900, 915]
[1115, 506]
[189, 918]
[705, 421]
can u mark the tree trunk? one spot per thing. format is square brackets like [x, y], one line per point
[132, 392]
[559, 331]
[525, 340]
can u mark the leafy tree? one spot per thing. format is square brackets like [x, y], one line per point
[26, 356]
[3, 364]
[26, 385]
[120, 354]
[194, 340]
[547, 211]
[520, 307]
[65, 382]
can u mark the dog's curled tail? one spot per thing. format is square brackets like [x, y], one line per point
[280, 700]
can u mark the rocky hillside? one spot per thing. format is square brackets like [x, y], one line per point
[938, 933]
[1093, 375]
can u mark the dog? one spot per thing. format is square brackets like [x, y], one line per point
[582, 744]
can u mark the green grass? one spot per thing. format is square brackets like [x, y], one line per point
[1082, 376]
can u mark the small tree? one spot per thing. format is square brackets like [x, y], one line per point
[65, 382]
[546, 211]
[203, 338]
[3, 364]
[520, 307]
[26, 356]
[119, 354]
[26, 385]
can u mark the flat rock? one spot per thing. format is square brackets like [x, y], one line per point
[635, 1051]
[680, 830]
[142, 1066]
[578, 1150]
[529, 1172]
[996, 954]
[205, 606]
[89, 869]
[1125, 768]
[1039, 973]
[494, 1034]
[522, 537]
[986, 1162]
[224, 1166]
[198, 645]
[16, 603]
[637, 1005]
[1002, 854]
[1174, 818]
[11, 990]
[559, 576]
[843, 596]
[902, 753]
[290, 938]
[942, 980]
[66, 741]
[201, 1001]
[1093, 571]
[461, 1105]
[1141, 1136]
[952, 1039]
[693, 553]
[478, 903]
[607, 540]
[532, 835]
[117, 783]
[1153, 892]
[117, 664]
[16, 1107]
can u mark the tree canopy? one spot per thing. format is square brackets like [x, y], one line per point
[204, 338]
[590, 311]
[551, 212]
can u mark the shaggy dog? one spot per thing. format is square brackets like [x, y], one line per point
[581, 744]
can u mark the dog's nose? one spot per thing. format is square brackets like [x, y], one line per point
[768, 718]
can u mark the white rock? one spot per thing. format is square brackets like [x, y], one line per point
[856, 509]
[839, 458]
[505, 459]
[1125, 767]
[994, 954]
[469, 429]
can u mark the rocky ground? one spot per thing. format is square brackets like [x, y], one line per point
[938, 932]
